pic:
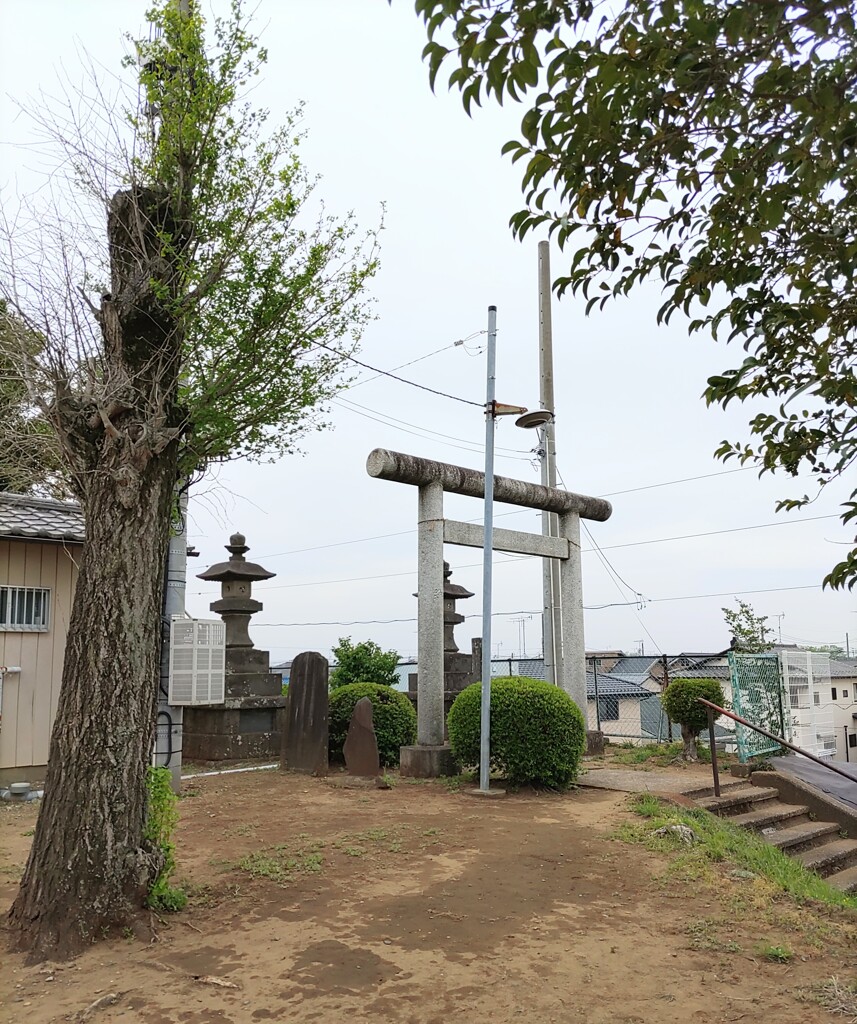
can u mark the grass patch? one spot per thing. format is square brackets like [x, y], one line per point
[836, 997]
[776, 954]
[704, 937]
[719, 841]
[662, 755]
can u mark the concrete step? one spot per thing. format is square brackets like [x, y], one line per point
[830, 857]
[736, 801]
[846, 880]
[801, 837]
[727, 785]
[771, 814]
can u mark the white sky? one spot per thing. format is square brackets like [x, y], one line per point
[629, 413]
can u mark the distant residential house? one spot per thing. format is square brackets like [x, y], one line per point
[843, 701]
[40, 544]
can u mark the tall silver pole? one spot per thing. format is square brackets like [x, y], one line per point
[487, 553]
[168, 730]
[551, 599]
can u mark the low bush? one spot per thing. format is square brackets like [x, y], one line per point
[538, 734]
[392, 713]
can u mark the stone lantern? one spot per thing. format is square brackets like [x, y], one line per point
[248, 724]
[236, 578]
[459, 670]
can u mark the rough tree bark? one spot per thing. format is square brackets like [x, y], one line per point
[689, 737]
[89, 868]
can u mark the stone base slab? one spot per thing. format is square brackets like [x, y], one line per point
[594, 743]
[422, 761]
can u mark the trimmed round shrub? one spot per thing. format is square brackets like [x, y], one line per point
[681, 701]
[392, 714]
[538, 734]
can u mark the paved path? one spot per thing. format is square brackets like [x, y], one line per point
[626, 780]
[822, 778]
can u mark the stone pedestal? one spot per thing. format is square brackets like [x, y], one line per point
[422, 761]
[248, 725]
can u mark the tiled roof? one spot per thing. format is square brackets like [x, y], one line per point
[633, 665]
[610, 686]
[843, 668]
[707, 672]
[28, 518]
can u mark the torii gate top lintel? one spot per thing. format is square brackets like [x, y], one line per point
[410, 469]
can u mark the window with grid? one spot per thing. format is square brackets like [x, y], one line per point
[24, 609]
[608, 709]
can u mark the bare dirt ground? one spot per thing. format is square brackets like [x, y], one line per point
[423, 905]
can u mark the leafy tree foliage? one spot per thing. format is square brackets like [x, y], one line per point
[681, 702]
[363, 662]
[747, 629]
[29, 458]
[834, 650]
[710, 146]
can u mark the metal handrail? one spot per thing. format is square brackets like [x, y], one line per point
[711, 708]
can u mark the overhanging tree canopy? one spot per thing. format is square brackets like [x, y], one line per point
[709, 145]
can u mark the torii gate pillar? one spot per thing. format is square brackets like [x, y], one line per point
[430, 757]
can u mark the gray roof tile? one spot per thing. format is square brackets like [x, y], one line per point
[30, 518]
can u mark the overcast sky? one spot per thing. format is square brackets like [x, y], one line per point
[629, 412]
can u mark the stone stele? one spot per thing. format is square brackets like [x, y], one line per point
[361, 744]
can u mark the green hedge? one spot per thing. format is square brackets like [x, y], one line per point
[392, 713]
[538, 734]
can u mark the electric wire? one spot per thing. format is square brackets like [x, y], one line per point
[393, 376]
[462, 342]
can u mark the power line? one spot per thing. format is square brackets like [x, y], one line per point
[419, 359]
[715, 533]
[404, 429]
[385, 536]
[428, 430]
[393, 376]
[683, 480]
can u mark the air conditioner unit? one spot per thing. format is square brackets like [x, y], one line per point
[197, 661]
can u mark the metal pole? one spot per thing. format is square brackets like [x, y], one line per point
[847, 756]
[551, 614]
[487, 553]
[168, 730]
[664, 685]
[713, 749]
[595, 687]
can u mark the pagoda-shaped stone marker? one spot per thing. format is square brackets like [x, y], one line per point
[248, 724]
[459, 670]
[305, 737]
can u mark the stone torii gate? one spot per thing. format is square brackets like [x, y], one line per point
[432, 479]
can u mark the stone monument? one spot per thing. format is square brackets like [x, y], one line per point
[248, 724]
[361, 743]
[305, 735]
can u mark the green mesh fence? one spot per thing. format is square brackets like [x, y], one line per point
[759, 696]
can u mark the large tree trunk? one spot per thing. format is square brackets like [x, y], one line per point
[89, 868]
[689, 737]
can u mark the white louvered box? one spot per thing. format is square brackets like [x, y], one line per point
[197, 661]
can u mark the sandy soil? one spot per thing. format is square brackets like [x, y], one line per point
[425, 906]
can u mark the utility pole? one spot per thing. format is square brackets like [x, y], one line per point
[551, 606]
[168, 731]
[779, 619]
[488, 552]
[522, 633]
